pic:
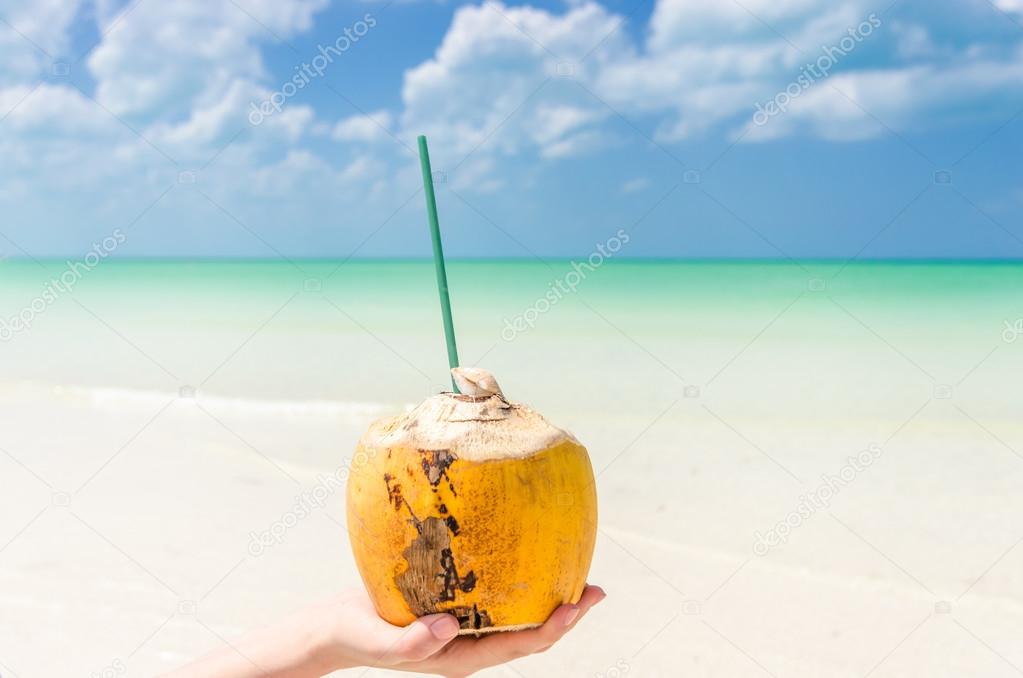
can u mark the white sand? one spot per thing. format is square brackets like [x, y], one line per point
[149, 564]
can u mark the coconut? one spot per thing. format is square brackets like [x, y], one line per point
[473, 505]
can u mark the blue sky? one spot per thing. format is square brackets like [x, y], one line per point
[552, 125]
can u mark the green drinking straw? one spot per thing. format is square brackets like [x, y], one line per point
[438, 257]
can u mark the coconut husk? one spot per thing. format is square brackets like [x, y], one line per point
[478, 424]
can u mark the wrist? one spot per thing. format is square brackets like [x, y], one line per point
[324, 646]
[321, 652]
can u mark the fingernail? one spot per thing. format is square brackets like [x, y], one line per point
[444, 628]
[603, 595]
[571, 616]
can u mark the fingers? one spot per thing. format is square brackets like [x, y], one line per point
[421, 639]
[571, 614]
[427, 636]
[522, 643]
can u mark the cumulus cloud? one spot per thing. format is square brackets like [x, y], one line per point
[703, 66]
[172, 82]
[855, 103]
[52, 111]
[166, 57]
[703, 62]
[370, 127]
[708, 62]
[554, 122]
[705, 21]
[497, 61]
[35, 36]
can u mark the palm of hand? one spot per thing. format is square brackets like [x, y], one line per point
[430, 645]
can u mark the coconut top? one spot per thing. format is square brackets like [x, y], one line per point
[477, 425]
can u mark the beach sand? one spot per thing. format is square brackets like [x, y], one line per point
[161, 416]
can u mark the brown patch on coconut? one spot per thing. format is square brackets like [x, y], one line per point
[432, 576]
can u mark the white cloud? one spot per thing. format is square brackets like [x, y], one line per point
[914, 40]
[371, 127]
[492, 59]
[292, 122]
[362, 168]
[707, 63]
[695, 21]
[35, 37]
[299, 171]
[849, 106]
[492, 87]
[163, 57]
[704, 63]
[207, 123]
[573, 144]
[479, 173]
[1010, 5]
[552, 123]
[180, 76]
[53, 111]
[636, 185]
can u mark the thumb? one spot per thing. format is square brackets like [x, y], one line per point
[422, 638]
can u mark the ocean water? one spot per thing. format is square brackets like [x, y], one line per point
[371, 331]
[177, 407]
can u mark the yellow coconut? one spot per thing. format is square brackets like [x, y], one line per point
[472, 505]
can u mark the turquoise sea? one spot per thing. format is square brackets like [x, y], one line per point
[371, 330]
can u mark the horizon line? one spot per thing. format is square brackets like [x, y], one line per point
[517, 259]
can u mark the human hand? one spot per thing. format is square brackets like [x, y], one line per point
[431, 645]
[346, 632]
